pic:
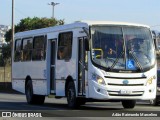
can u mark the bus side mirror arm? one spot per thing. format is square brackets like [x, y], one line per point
[87, 32]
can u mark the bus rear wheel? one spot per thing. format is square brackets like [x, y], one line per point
[129, 104]
[31, 98]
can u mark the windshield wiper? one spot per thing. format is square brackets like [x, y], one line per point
[115, 62]
[135, 58]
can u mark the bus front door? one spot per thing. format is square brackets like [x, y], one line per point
[81, 67]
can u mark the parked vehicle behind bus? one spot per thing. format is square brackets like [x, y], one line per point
[86, 61]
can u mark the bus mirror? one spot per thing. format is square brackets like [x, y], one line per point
[156, 44]
[86, 44]
[156, 39]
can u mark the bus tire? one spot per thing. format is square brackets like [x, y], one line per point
[154, 102]
[39, 99]
[81, 101]
[31, 98]
[129, 104]
[71, 96]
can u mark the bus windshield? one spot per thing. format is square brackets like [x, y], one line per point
[122, 47]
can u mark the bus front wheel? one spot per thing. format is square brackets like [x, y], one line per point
[71, 96]
[31, 98]
[129, 104]
[154, 102]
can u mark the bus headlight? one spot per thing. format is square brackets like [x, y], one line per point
[150, 80]
[98, 79]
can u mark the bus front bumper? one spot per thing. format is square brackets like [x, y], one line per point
[121, 92]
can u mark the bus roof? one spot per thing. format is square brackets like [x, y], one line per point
[78, 24]
[57, 28]
[91, 23]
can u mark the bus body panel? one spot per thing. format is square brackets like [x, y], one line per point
[69, 66]
[136, 87]
[18, 85]
[35, 71]
[39, 71]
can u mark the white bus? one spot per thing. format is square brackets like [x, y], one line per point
[86, 61]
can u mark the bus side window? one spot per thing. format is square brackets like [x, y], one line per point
[17, 52]
[65, 46]
[38, 48]
[27, 49]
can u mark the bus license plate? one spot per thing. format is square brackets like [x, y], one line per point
[125, 92]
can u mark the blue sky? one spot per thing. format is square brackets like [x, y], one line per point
[136, 11]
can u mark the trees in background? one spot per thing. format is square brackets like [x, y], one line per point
[31, 24]
[24, 25]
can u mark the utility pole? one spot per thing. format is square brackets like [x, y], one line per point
[12, 23]
[53, 5]
[13, 31]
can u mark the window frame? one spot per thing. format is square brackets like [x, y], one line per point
[15, 50]
[43, 48]
[26, 50]
[67, 57]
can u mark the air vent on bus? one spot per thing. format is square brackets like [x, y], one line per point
[133, 93]
[125, 84]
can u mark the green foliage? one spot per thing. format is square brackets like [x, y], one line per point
[31, 24]
[8, 35]
[6, 51]
[24, 25]
[5, 54]
[36, 23]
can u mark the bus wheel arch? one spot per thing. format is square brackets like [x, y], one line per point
[30, 96]
[29, 90]
[70, 92]
[26, 80]
[68, 80]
